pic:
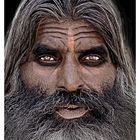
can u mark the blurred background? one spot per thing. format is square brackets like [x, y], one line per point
[126, 7]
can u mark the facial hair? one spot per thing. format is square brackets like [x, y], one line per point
[30, 115]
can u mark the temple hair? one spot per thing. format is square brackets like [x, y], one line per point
[102, 14]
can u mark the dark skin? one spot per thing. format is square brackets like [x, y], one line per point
[69, 54]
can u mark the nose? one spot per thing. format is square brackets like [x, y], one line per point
[70, 75]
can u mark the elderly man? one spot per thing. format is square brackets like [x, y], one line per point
[68, 73]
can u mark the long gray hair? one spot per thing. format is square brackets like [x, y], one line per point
[103, 14]
[21, 108]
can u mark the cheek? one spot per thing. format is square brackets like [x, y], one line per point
[35, 75]
[99, 78]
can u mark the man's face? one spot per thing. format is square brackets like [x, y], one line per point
[68, 89]
[68, 55]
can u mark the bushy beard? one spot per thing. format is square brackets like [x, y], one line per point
[30, 115]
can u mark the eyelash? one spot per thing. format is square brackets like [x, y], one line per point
[90, 60]
[51, 60]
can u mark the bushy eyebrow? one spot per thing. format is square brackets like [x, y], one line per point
[40, 49]
[95, 50]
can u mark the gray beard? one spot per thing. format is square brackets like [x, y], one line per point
[29, 115]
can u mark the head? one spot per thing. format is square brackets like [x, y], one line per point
[67, 68]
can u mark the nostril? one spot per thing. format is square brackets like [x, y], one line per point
[73, 87]
[61, 88]
[80, 86]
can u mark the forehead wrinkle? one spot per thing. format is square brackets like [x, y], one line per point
[85, 33]
[52, 43]
[78, 41]
[87, 37]
[51, 32]
[49, 28]
[84, 27]
[71, 33]
[70, 40]
[54, 28]
[81, 36]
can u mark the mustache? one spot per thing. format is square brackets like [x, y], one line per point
[38, 101]
[35, 109]
[32, 111]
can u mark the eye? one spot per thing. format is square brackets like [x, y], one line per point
[49, 60]
[92, 60]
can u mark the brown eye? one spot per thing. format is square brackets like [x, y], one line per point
[48, 60]
[92, 60]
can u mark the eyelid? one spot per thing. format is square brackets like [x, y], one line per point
[96, 55]
[43, 53]
[99, 54]
[38, 57]
[48, 55]
[40, 49]
[54, 62]
[92, 63]
[57, 59]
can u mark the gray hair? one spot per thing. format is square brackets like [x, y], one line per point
[103, 14]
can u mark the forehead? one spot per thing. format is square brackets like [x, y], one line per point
[64, 34]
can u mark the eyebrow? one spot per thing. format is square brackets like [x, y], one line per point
[40, 49]
[95, 50]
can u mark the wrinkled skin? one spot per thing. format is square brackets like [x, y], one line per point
[77, 57]
[69, 64]
[68, 79]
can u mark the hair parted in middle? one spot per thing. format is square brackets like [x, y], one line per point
[101, 14]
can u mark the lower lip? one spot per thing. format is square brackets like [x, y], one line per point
[71, 114]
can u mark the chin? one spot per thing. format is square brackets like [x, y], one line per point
[83, 115]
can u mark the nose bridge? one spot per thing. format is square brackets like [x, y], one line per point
[70, 77]
[70, 74]
[70, 40]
